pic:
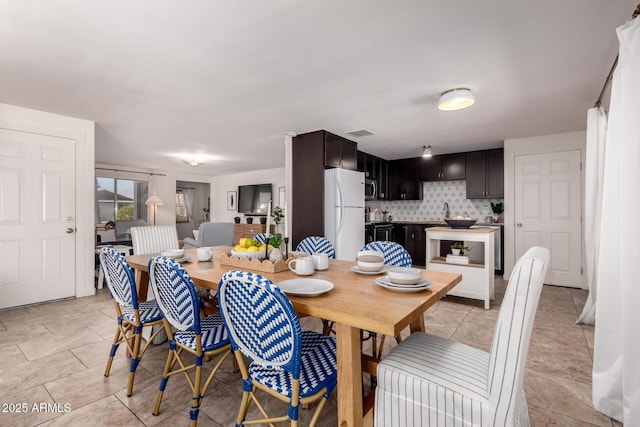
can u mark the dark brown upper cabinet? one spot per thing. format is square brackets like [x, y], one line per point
[446, 167]
[485, 174]
[312, 153]
[339, 152]
[375, 168]
[404, 179]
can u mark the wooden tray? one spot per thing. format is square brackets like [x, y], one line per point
[265, 266]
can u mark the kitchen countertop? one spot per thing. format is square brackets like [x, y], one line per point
[425, 222]
[463, 230]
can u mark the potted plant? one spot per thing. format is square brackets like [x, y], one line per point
[497, 209]
[277, 214]
[275, 241]
[458, 248]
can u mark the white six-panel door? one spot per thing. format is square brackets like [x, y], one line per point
[547, 212]
[37, 218]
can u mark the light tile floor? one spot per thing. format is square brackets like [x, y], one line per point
[54, 354]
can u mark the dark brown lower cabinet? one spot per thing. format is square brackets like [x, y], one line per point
[413, 238]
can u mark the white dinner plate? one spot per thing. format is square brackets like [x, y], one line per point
[359, 271]
[185, 258]
[305, 287]
[386, 283]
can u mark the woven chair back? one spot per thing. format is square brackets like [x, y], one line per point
[261, 320]
[175, 293]
[262, 237]
[394, 254]
[119, 277]
[316, 245]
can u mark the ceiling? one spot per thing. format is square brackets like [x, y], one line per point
[225, 81]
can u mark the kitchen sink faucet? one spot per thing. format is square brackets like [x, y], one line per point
[446, 210]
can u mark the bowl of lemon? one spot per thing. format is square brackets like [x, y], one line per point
[249, 248]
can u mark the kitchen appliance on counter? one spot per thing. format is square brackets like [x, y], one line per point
[370, 189]
[344, 211]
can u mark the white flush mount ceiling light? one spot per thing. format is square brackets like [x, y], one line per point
[193, 162]
[456, 99]
[426, 151]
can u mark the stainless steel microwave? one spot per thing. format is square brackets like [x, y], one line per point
[370, 189]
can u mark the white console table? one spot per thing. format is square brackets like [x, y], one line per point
[477, 277]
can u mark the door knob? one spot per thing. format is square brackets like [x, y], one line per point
[70, 230]
[519, 224]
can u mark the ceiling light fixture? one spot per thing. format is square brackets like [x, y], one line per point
[456, 99]
[193, 162]
[426, 151]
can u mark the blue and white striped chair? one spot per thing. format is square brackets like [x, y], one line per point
[295, 366]
[132, 315]
[428, 380]
[316, 245]
[262, 237]
[394, 253]
[177, 298]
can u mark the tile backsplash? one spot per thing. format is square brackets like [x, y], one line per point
[431, 207]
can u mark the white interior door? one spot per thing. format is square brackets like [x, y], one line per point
[37, 218]
[548, 212]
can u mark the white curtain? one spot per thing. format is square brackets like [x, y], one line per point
[616, 361]
[189, 195]
[594, 169]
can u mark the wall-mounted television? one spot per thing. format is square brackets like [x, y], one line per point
[254, 199]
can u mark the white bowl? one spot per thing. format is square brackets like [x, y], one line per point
[404, 275]
[370, 266]
[257, 254]
[173, 253]
[370, 256]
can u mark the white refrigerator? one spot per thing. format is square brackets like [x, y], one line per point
[344, 211]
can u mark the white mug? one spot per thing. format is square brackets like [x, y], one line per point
[320, 261]
[205, 254]
[303, 266]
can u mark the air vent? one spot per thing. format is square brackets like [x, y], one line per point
[360, 132]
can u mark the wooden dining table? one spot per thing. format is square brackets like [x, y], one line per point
[355, 303]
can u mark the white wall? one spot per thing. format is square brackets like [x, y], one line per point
[222, 184]
[83, 132]
[532, 145]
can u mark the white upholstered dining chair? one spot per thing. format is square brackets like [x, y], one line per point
[153, 239]
[428, 380]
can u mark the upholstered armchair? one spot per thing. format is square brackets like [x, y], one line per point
[212, 234]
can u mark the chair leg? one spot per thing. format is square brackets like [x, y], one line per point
[117, 339]
[244, 408]
[316, 414]
[163, 381]
[327, 327]
[196, 396]
[374, 343]
[135, 359]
